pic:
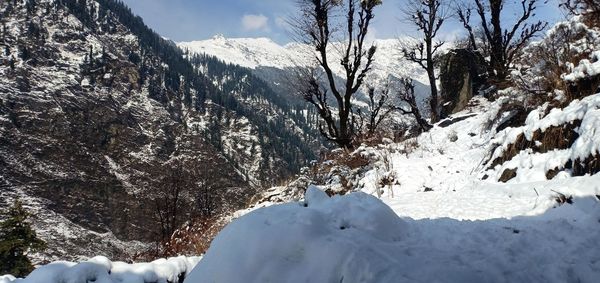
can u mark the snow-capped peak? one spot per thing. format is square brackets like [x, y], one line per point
[263, 52]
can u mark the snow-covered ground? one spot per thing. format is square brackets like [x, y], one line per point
[101, 270]
[440, 221]
[449, 224]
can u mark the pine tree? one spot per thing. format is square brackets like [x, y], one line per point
[17, 239]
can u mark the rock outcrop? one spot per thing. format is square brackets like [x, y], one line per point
[462, 73]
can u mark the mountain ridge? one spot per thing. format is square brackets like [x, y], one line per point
[264, 52]
[99, 114]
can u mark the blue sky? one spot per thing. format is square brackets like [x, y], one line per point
[186, 20]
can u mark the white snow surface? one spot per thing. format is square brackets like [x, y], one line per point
[438, 222]
[101, 270]
[586, 68]
[263, 52]
[319, 240]
[533, 166]
[465, 230]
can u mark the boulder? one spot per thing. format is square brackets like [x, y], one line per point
[462, 73]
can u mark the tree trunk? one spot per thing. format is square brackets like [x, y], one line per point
[433, 102]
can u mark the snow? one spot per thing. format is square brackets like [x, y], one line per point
[282, 243]
[465, 229]
[586, 68]
[263, 52]
[293, 243]
[533, 166]
[101, 270]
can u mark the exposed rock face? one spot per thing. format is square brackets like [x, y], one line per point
[461, 75]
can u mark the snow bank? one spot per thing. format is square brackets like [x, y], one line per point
[297, 243]
[319, 240]
[101, 270]
[533, 166]
[586, 68]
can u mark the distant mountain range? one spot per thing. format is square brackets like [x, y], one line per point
[257, 53]
[276, 63]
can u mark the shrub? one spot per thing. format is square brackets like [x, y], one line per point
[17, 240]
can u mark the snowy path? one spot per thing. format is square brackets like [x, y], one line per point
[470, 205]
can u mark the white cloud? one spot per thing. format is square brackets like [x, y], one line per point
[255, 22]
[281, 23]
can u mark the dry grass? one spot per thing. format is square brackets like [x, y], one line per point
[193, 238]
[558, 137]
[589, 165]
[554, 54]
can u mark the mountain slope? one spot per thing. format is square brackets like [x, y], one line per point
[106, 124]
[429, 209]
[277, 64]
[256, 53]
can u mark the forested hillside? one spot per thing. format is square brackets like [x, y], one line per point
[339, 157]
[99, 113]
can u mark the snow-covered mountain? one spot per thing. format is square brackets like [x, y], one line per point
[506, 190]
[278, 64]
[255, 53]
[275, 63]
[99, 113]
[439, 217]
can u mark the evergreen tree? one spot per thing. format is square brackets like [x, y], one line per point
[17, 239]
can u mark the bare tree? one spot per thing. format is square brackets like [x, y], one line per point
[464, 12]
[168, 200]
[428, 16]
[379, 109]
[504, 45]
[205, 198]
[183, 193]
[318, 24]
[406, 94]
[590, 9]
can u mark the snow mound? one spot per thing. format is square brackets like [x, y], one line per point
[532, 166]
[586, 68]
[322, 239]
[101, 270]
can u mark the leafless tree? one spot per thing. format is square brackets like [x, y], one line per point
[205, 198]
[379, 108]
[428, 16]
[181, 195]
[321, 22]
[169, 198]
[464, 12]
[505, 45]
[406, 94]
[590, 9]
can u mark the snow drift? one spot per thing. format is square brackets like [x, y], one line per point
[357, 238]
[465, 228]
[101, 270]
[343, 238]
